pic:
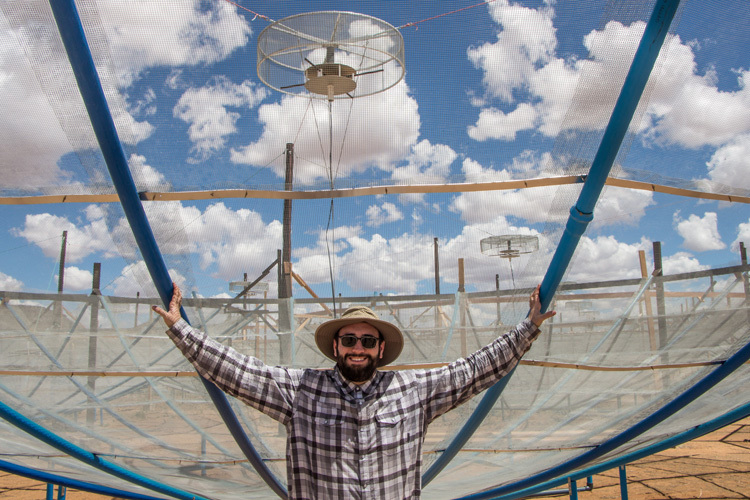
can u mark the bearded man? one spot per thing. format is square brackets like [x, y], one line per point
[353, 432]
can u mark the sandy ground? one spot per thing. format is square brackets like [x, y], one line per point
[716, 466]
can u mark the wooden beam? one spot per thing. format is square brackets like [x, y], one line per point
[464, 187]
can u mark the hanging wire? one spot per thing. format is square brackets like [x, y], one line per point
[415, 23]
[250, 11]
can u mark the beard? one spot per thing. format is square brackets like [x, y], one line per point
[357, 373]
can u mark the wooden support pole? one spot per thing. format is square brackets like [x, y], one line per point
[93, 331]
[304, 285]
[462, 306]
[647, 300]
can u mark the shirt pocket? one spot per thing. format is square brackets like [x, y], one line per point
[398, 435]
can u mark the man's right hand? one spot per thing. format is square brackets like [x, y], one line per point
[171, 316]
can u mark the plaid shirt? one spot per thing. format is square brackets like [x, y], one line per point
[346, 440]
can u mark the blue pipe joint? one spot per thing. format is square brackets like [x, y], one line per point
[578, 222]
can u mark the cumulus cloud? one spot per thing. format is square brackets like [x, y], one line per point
[373, 131]
[229, 242]
[25, 107]
[699, 233]
[10, 283]
[621, 206]
[134, 278]
[206, 109]
[682, 262]
[383, 214]
[535, 87]
[77, 279]
[605, 258]
[89, 237]
[142, 34]
[743, 235]
[139, 35]
[615, 206]
[731, 162]
[146, 177]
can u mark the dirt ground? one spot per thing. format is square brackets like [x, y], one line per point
[716, 466]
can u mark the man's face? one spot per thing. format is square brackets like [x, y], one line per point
[356, 362]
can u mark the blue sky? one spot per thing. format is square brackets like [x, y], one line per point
[486, 94]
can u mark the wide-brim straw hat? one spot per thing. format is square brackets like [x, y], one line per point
[394, 339]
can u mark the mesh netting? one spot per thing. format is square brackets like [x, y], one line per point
[399, 192]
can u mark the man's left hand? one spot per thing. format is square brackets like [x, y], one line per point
[535, 309]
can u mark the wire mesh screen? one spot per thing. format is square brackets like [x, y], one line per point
[274, 212]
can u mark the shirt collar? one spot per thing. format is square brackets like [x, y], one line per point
[350, 388]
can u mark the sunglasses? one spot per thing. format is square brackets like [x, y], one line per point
[368, 341]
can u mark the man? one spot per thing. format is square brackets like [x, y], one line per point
[353, 432]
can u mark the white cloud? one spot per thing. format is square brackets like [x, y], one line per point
[146, 177]
[77, 279]
[730, 163]
[10, 283]
[743, 235]
[135, 278]
[143, 34]
[604, 258]
[383, 214]
[521, 67]
[27, 161]
[531, 204]
[494, 124]
[206, 110]
[234, 241]
[699, 233]
[45, 231]
[681, 262]
[621, 206]
[380, 130]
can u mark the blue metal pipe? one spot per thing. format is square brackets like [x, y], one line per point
[666, 411]
[39, 432]
[74, 39]
[46, 477]
[582, 213]
[622, 114]
[678, 439]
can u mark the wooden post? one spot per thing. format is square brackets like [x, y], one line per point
[57, 310]
[647, 300]
[135, 317]
[743, 259]
[287, 221]
[661, 311]
[93, 331]
[660, 306]
[497, 289]
[462, 306]
[437, 268]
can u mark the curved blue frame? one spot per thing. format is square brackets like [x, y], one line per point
[666, 411]
[683, 437]
[87, 78]
[46, 477]
[39, 432]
